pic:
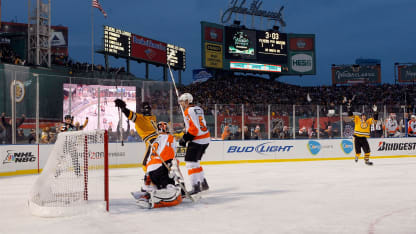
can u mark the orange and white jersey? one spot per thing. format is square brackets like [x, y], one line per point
[196, 125]
[164, 146]
[391, 126]
[411, 127]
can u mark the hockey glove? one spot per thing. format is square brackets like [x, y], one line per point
[188, 137]
[348, 106]
[120, 103]
[374, 108]
[182, 142]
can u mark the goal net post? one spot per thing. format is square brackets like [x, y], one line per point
[75, 177]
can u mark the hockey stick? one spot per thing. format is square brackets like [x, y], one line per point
[176, 89]
[183, 116]
[120, 117]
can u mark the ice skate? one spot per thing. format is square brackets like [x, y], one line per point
[204, 185]
[196, 188]
[143, 201]
[368, 163]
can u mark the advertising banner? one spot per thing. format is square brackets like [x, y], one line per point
[148, 49]
[392, 146]
[287, 149]
[201, 75]
[301, 43]
[302, 62]
[24, 157]
[344, 74]
[213, 34]
[407, 73]
[213, 55]
[18, 157]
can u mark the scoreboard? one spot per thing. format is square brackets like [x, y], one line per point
[124, 44]
[176, 56]
[271, 47]
[117, 41]
[258, 51]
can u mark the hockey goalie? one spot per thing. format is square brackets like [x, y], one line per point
[160, 189]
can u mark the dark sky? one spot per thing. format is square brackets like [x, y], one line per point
[345, 30]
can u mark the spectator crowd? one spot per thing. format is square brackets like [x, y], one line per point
[256, 90]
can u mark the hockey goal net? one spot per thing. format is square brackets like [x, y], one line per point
[75, 177]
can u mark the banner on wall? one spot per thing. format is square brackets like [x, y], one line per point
[18, 157]
[24, 157]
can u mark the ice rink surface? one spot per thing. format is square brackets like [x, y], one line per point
[291, 197]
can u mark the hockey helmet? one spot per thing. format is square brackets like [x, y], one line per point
[146, 108]
[186, 97]
[162, 127]
[68, 117]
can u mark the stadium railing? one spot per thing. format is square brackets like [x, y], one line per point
[45, 98]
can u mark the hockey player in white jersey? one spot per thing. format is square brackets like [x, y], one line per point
[198, 138]
[391, 126]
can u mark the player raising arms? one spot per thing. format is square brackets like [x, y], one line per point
[362, 132]
[145, 124]
[198, 136]
[67, 124]
[162, 192]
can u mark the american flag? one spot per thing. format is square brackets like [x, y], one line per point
[96, 4]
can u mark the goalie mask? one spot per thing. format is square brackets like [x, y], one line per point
[162, 127]
[146, 109]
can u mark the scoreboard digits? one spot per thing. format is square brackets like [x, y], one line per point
[117, 41]
[262, 46]
[176, 56]
[272, 47]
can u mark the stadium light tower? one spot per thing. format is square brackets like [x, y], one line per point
[38, 32]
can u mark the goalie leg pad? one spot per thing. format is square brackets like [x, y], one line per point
[143, 201]
[170, 196]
